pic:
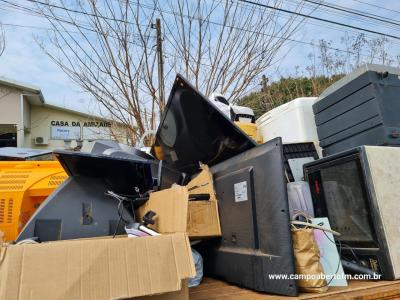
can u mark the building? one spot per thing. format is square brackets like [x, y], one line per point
[26, 120]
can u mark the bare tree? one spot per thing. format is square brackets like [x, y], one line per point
[326, 65]
[360, 49]
[107, 47]
[221, 45]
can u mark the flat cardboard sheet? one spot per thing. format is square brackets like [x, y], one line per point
[171, 208]
[100, 268]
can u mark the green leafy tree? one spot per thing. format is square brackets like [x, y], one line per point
[284, 90]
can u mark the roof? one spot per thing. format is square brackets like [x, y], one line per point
[35, 95]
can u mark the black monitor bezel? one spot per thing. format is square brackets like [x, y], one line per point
[321, 210]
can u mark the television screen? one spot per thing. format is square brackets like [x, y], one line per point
[345, 201]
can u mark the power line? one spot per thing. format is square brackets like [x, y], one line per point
[252, 31]
[125, 21]
[31, 26]
[320, 19]
[215, 23]
[377, 6]
[355, 12]
[332, 11]
[175, 13]
[318, 24]
[32, 12]
[80, 12]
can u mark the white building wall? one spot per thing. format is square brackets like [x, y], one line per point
[10, 110]
[44, 118]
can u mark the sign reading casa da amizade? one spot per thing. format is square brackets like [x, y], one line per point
[77, 123]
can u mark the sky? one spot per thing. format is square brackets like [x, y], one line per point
[24, 61]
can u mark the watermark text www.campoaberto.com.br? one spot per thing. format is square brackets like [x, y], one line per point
[327, 277]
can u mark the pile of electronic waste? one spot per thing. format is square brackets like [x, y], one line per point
[234, 198]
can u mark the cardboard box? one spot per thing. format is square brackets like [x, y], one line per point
[175, 213]
[98, 268]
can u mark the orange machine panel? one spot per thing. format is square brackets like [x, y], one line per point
[24, 185]
[251, 130]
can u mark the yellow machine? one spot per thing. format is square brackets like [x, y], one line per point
[251, 130]
[24, 185]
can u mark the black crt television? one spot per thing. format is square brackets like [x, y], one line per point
[358, 190]
[79, 208]
[256, 239]
[194, 130]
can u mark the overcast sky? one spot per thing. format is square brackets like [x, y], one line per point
[24, 61]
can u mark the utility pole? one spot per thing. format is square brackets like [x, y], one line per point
[264, 83]
[157, 26]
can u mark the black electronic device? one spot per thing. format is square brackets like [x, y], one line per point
[362, 108]
[358, 190]
[354, 268]
[81, 206]
[253, 207]
[122, 175]
[194, 130]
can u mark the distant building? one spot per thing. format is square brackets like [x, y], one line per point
[26, 120]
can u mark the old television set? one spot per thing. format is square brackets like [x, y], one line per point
[79, 207]
[359, 191]
[253, 207]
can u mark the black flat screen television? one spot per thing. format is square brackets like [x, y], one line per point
[194, 130]
[256, 240]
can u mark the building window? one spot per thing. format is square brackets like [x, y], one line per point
[8, 135]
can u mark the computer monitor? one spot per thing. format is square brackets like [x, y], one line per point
[358, 191]
[194, 130]
[253, 206]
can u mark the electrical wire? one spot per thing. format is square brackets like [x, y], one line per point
[320, 19]
[355, 12]
[80, 25]
[189, 17]
[175, 55]
[311, 22]
[120, 209]
[81, 12]
[377, 6]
